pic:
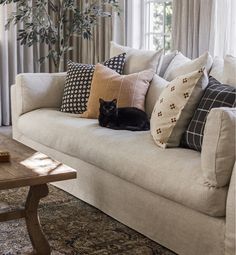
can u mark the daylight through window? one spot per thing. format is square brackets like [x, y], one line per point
[157, 18]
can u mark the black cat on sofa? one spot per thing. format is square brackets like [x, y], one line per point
[126, 118]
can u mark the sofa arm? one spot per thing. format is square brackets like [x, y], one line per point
[230, 239]
[218, 147]
[38, 90]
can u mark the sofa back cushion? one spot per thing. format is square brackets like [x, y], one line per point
[215, 95]
[138, 60]
[217, 69]
[181, 65]
[129, 90]
[166, 62]
[218, 148]
[156, 87]
[230, 70]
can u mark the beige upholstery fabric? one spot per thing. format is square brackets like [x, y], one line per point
[181, 65]
[166, 61]
[138, 60]
[156, 87]
[176, 62]
[132, 156]
[175, 108]
[229, 74]
[230, 241]
[194, 232]
[217, 69]
[218, 148]
[129, 90]
[130, 204]
[39, 90]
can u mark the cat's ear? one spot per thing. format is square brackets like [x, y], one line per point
[101, 101]
[114, 101]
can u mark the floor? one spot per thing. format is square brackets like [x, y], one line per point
[5, 130]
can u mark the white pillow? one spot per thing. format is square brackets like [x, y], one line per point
[181, 65]
[176, 62]
[156, 87]
[166, 61]
[218, 69]
[229, 75]
[175, 108]
[138, 60]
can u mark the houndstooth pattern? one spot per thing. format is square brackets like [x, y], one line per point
[216, 95]
[78, 83]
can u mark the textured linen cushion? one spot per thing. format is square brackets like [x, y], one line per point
[39, 90]
[132, 156]
[129, 90]
[156, 87]
[215, 95]
[218, 148]
[78, 83]
[181, 65]
[166, 62]
[218, 69]
[229, 74]
[138, 60]
[175, 108]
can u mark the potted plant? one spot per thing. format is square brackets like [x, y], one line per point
[54, 22]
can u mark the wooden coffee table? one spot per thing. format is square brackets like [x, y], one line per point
[33, 169]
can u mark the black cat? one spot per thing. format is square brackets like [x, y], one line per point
[126, 118]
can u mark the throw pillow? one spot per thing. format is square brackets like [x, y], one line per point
[229, 74]
[175, 108]
[166, 62]
[78, 83]
[181, 65]
[129, 90]
[138, 60]
[216, 95]
[156, 87]
[217, 69]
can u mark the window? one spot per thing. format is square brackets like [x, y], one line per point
[157, 24]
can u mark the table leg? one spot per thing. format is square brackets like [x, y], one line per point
[37, 237]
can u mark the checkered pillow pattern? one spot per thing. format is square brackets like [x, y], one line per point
[216, 95]
[78, 82]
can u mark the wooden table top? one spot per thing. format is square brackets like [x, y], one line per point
[29, 168]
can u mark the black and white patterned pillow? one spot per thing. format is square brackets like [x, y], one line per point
[216, 95]
[78, 83]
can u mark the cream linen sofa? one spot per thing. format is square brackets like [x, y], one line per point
[160, 193]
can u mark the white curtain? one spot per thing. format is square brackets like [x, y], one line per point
[223, 28]
[128, 29]
[13, 60]
[204, 25]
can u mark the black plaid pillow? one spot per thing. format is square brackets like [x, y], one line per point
[78, 83]
[216, 95]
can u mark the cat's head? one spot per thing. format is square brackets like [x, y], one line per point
[107, 108]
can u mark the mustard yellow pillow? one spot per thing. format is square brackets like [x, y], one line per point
[129, 90]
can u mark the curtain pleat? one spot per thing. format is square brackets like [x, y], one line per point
[204, 25]
[191, 26]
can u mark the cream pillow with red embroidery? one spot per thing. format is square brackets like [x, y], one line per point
[175, 108]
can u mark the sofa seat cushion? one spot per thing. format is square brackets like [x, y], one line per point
[133, 156]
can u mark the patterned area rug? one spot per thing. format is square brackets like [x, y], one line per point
[73, 227]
